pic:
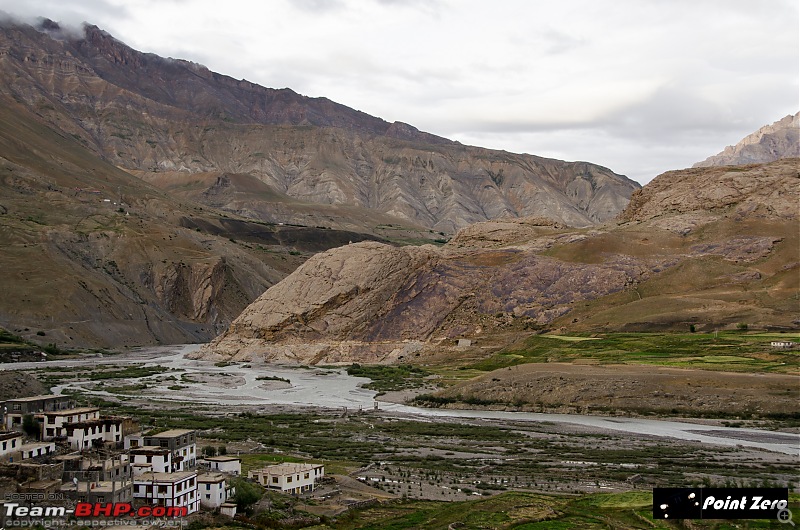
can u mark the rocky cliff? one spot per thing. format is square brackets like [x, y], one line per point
[769, 143]
[145, 113]
[94, 257]
[699, 246]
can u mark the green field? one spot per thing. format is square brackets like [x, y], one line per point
[528, 511]
[724, 351]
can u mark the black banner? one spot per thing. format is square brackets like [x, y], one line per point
[721, 503]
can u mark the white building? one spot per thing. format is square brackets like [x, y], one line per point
[16, 409]
[34, 450]
[10, 444]
[214, 490]
[86, 434]
[781, 344]
[288, 477]
[53, 422]
[150, 459]
[181, 442]
[168, 489]
[223, 464]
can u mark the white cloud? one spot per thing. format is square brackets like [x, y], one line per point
[641, 86]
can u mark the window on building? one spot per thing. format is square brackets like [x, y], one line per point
[306, 475]
[208, 487]
[208, 496]
[149, 459]
[16, 406]
[288, 479]
[5, 445]
[274, 480]
[162, 489]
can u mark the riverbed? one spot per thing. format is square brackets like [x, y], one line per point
[332, 388]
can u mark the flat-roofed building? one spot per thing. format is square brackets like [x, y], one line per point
[10, 444]
[223, 464]
[168, 489]
[289, 477]
[89, 467]
[106, 430]
[37, 450]
[214, 490]
[16, 409]
[150, 459]
[100, 491]
[182, 443]
[54, 422]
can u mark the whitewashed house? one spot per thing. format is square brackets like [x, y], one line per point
[10, 444]
[168, 489]
[54, 422]
[214, 490]
[150, 459]
[289, 477]
[222, 464]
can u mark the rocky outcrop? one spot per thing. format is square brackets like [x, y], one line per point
[372, 302]
[369, 302]
[768, 190]
[769, 143]
[146, 113]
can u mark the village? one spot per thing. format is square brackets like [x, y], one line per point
[56, 452]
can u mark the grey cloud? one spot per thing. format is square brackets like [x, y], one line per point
[72, 14]
[318, 6]
[558, 42]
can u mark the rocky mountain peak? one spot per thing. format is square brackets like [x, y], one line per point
[771, 142]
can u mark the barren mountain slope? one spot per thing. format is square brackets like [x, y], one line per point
[142, 112]
[712, 264]
[769, 143]
[92, 256]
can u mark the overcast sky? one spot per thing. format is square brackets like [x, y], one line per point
[639, 86]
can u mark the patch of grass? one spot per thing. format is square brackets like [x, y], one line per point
[727, 351]
[388, 378]
[129, 372]
[272, 378]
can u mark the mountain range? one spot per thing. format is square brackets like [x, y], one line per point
[149, 200]
[146, 113]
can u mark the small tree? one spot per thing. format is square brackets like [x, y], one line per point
[222, 450]
[692, 329]
[247, 493]
[209, 450]
[30, 426]
[741, 326]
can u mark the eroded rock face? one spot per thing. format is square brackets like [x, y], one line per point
[370, 302]
[145, 113]
[769, 143]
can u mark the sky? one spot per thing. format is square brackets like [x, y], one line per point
[638, 86]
